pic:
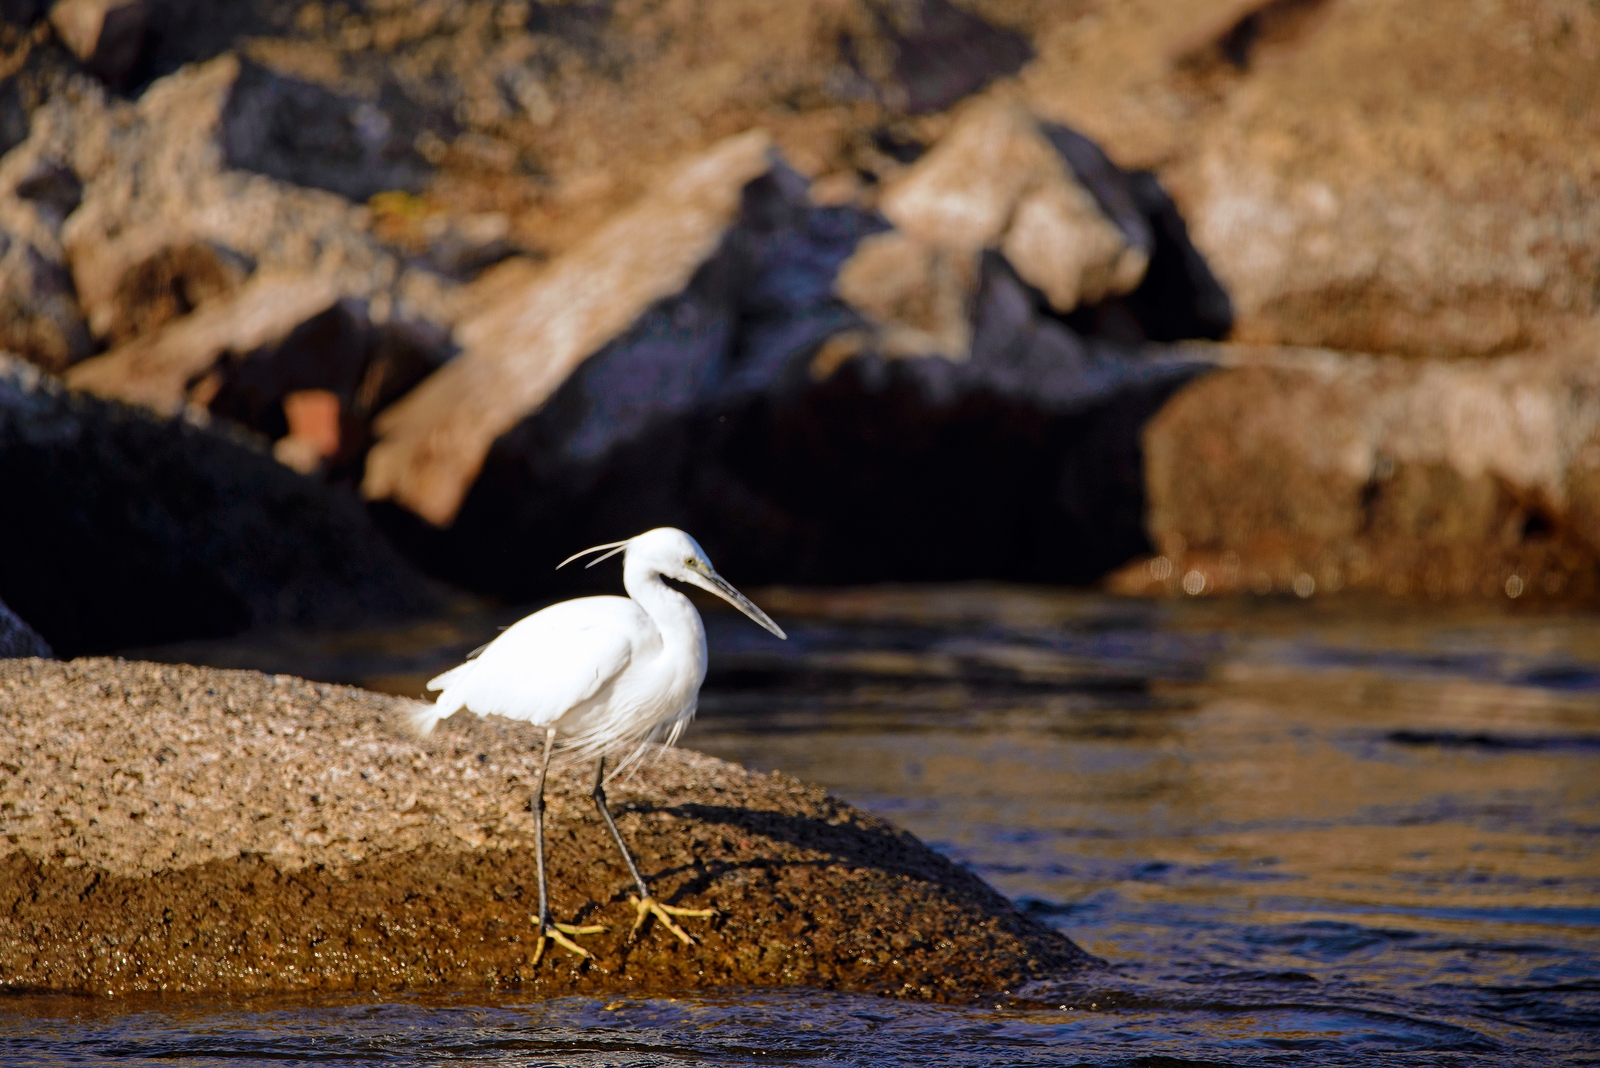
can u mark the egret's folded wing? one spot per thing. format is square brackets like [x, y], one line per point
[551, 662]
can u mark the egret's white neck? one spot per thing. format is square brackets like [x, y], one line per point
[673, 613]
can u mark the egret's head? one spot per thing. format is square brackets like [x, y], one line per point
[671, 553]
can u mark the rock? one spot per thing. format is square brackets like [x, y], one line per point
[1442, 204]
[159, 370]
[754, 409]
[39, 315]
[305, 134]
[105, 34]
[996, 180]
[1315, 471]
[17, 638]
[226, 832]
[246, 357]
[139, 530]
[514, 354]
[165, 224]
[927, 54]
[918, 296]
[21, 12]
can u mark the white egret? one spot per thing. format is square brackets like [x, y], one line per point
[598, 673]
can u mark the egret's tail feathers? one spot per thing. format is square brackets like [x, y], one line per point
[454, 675]
[423, 716]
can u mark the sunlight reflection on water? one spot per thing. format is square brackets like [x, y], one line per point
[1349, 829]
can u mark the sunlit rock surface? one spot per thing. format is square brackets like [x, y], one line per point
[1388, 177]
[1307, 471]
[186, 829]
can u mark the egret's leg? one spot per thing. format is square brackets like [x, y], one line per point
[647, 905]
[549, 930]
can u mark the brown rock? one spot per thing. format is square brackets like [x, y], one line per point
[995, 181]
[158, 224]
[105, 34]
[187, 829]
[918, 296]
[516, 351]
[160, 369]
[1401, 177]
[1316, 471]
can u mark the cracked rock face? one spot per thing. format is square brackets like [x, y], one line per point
[185, 829]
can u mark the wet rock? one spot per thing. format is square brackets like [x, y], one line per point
[17, 638]
[1306, 472]
[105, 34]
[140, 530]
[229, 833]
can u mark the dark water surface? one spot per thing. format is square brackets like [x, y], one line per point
[1323, 832]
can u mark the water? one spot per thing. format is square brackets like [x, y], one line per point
[1325, 832]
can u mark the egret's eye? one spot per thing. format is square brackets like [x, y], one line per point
[688, 561]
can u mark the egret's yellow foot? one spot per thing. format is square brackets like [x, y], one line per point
[557, 933]
[651, 907]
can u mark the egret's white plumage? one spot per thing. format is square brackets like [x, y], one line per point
[605, 672]
[598, 673]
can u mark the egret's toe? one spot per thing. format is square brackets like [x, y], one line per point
[651, 907]
[557, 933]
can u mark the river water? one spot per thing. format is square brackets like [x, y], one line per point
[1333, 831]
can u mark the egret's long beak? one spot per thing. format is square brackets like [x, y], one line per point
[712, 582]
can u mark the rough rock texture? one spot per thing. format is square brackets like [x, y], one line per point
[17, 638]
[187, 829]
[517, 351]
[756, 409]
[1371, 175]
[126, 529]
[145, 205]
[1315, 471]
[996, 181]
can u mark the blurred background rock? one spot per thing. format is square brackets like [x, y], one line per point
[346, 295]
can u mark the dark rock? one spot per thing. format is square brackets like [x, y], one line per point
[106, 35]
[304, 133]
[340, 350]
[942, 53]
[359, 859]
[39, 315]
[13, 116]
[713, 413]
[52, 185]
[1179, 297]
[139, 530]
[21, 12]
[17, 638]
